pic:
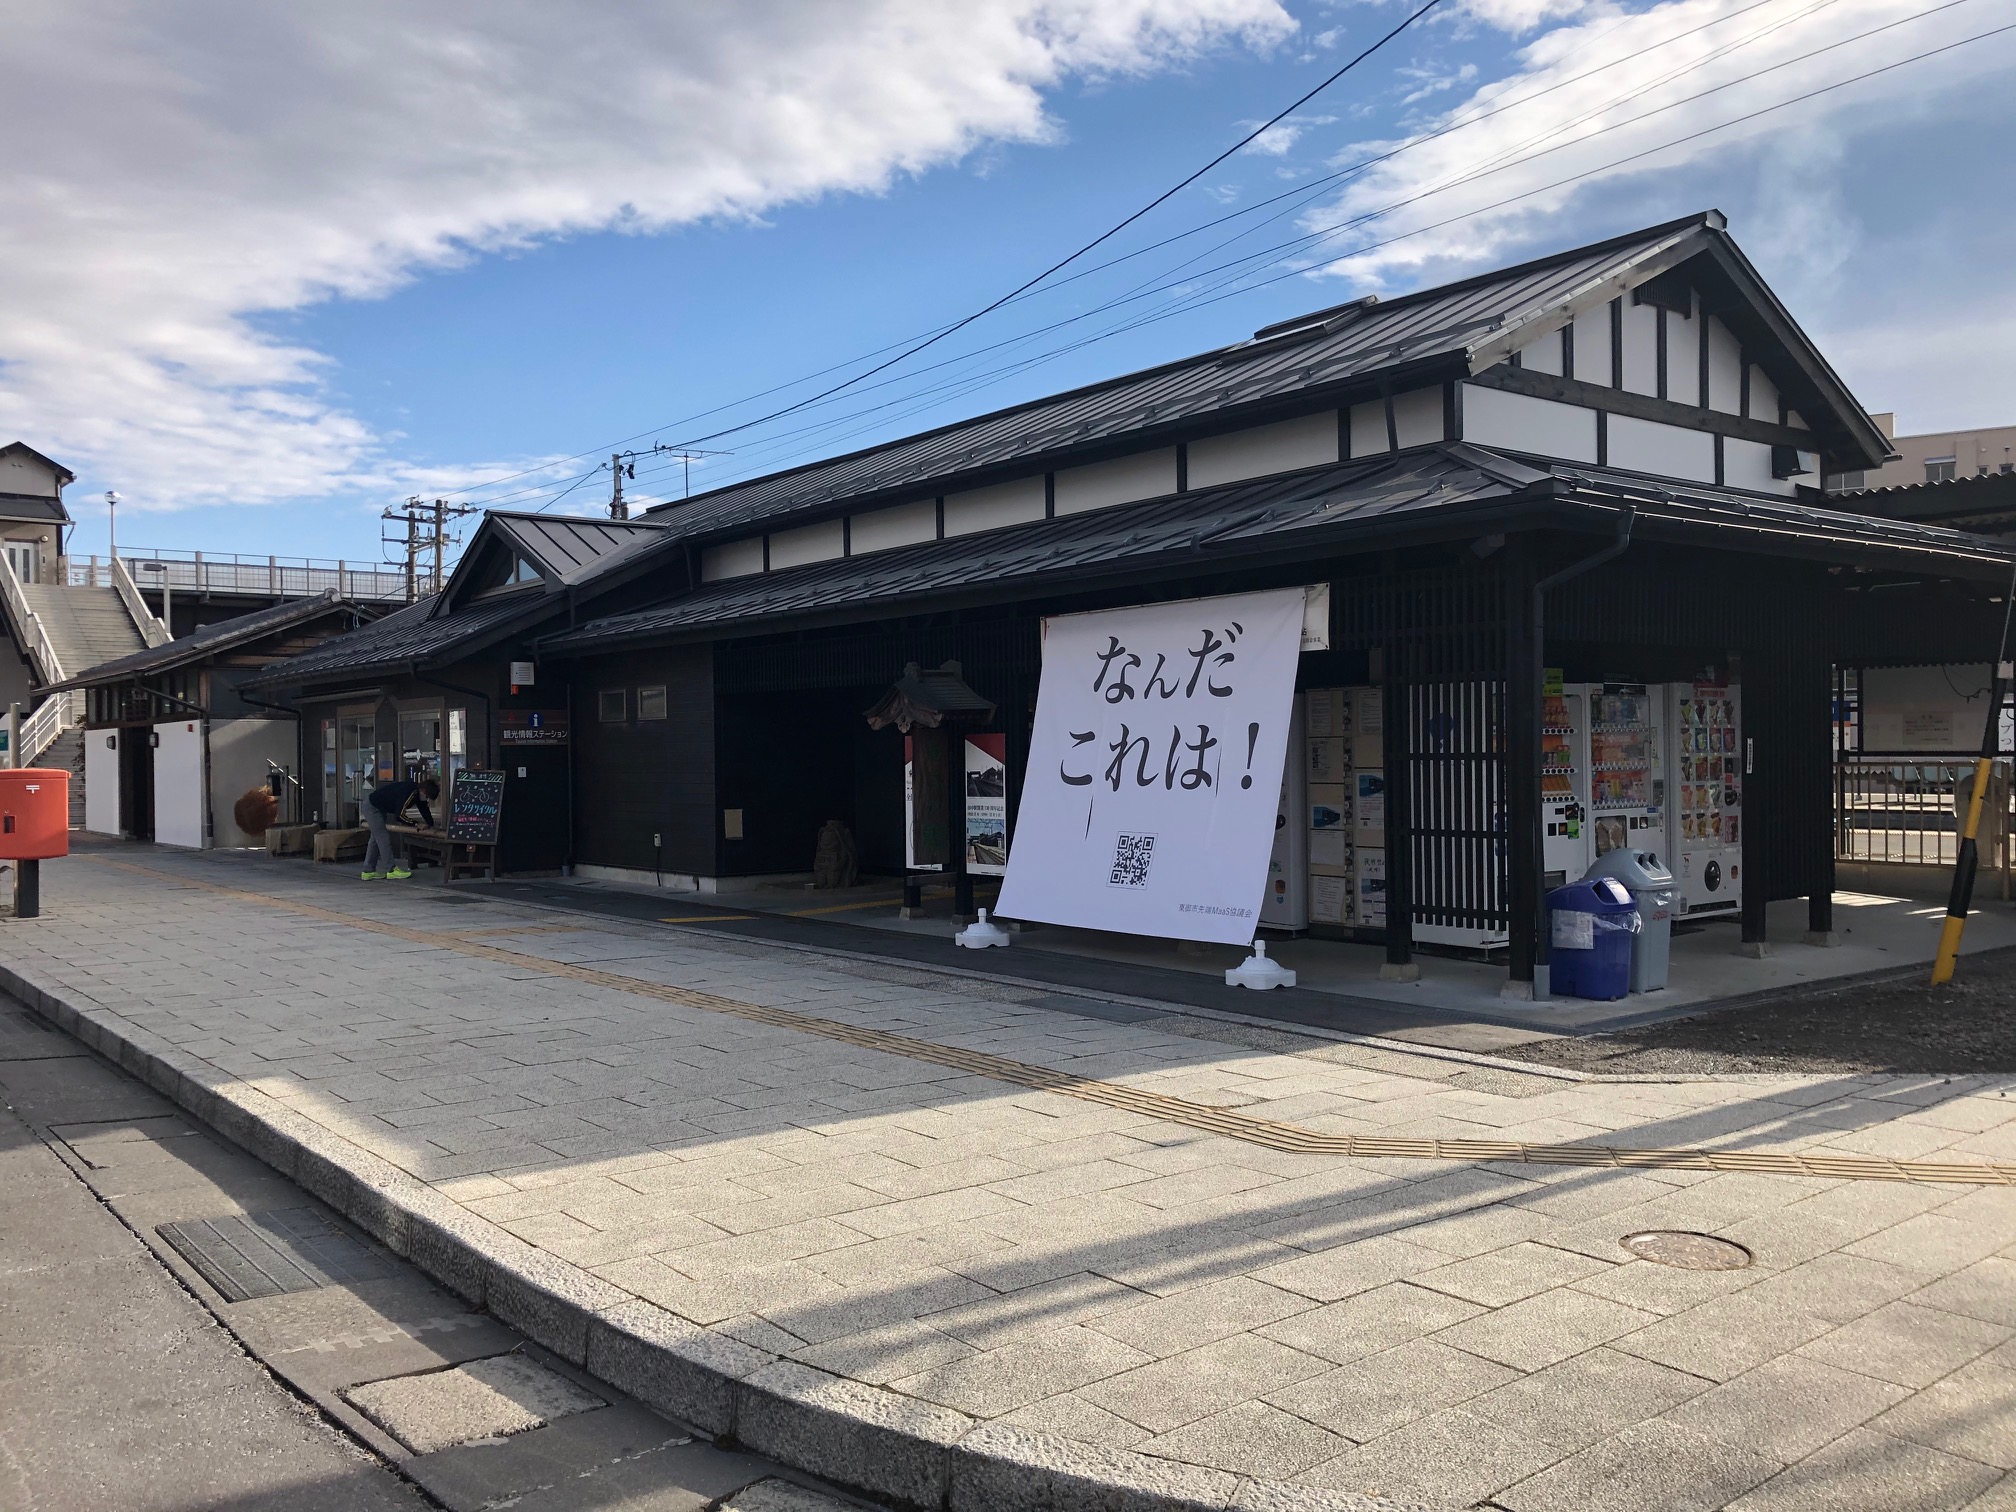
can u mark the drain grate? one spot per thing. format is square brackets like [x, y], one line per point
[1687, 1251]
[265, 1254]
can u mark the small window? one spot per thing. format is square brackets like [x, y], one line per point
[651, 703]
[1939, 469]
[2007, 467]
[612, 705]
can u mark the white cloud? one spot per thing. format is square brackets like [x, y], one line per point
[177, 171]
[1277, 140]
[1588, 125]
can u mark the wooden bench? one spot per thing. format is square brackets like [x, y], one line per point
[456, 858]
[335, 844]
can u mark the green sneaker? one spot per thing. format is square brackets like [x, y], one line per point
[397, 874]
[372, 876]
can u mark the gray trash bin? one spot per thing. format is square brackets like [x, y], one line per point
[1656, 894]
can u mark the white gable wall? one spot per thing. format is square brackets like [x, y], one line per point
[1669, 451]
[1145, 475]
[1592, 347]
[1014, 503]
[901, 525]
[1725, 370]
[1307, 441]
[24, 475]
[1522, 423]
[808, 543]
[1641, 349]
[1683, 359]
[1763, 396]
[1747, 464]
[1544, 355]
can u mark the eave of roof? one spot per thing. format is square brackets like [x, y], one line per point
[211, 640]
[1451, 491]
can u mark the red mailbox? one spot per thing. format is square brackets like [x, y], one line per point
[34, 813]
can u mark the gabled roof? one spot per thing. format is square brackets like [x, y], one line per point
[1329, 356]
[214, 639]
[408, 636]
[68, 477]
[567, 550]
[1454, 489]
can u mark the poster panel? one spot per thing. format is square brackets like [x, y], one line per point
[987, 805]
[1154, 774]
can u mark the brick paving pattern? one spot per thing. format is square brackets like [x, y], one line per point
[1460, 1333]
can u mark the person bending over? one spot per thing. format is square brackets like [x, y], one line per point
[387, 804]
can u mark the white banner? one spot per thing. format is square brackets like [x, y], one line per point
[1155, 768]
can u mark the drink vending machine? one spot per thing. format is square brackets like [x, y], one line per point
[1602, 765]
[1705, 795]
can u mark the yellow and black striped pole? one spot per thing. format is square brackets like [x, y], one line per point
[1969, 859]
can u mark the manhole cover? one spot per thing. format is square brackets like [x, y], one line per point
[1702, 1252]
[265, 1254]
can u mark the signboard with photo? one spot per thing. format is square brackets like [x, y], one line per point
[987, 805]
[1154, 777]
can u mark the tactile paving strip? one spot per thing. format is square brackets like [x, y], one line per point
[266, 1254]
[1260, 1131]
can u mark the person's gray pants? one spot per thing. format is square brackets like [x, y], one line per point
[378, 853]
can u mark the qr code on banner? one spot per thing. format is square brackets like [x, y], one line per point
[1131, 856]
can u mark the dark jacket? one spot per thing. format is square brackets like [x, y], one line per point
[389, 798]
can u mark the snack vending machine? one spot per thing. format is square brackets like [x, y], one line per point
[1705, 796]
[1627, 787]
[1564, 792]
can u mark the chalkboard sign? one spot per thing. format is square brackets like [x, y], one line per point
[474, 805]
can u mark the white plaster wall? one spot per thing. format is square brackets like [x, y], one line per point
[1544, 355]
[807, 543]
[1368, 428]
[901, 525]
[1306, 441]
[1763, 395]
[1145, 475]
[101, 779]
[178, 783]
[731, 559]
[1667, 451]
[1641, 349]
[1013, 503]
[1725, 369]
[1747, 464]
[239, 751]
[1592, 347]
[1683, 359]
[1520, 422]
[1418, 417]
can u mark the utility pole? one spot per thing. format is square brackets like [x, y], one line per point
[425, 536]
[618, 510]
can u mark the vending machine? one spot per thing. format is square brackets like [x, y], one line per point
[1286, 905]
[1627, 798]
[1564, 788]
[1704, 790]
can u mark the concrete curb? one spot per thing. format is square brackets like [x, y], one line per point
[910, 1453]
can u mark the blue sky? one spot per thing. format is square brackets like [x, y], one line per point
[283, 290]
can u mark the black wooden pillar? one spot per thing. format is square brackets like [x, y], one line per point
[1757, 727]
[1523, 657]
[1397, 750]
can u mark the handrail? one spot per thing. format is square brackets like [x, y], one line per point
[152, 631]
[269, 576]
[36, 642]
[39, 730]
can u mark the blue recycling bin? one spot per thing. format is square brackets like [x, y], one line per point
[1591, 926]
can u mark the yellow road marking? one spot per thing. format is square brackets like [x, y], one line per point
[806, 913]
[1201, 1116]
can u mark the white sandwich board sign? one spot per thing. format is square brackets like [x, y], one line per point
[1155, 767]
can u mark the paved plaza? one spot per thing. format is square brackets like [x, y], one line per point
[1002, 1206]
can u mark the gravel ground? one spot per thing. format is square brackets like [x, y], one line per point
[1968, 1025]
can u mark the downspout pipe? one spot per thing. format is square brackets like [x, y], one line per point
[1542, 936]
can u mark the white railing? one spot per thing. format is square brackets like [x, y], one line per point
[272, 576]
[152, 631]
[35, 640]
[39, 730]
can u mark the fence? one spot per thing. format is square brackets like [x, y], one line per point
[268, 576]
[1901, 809]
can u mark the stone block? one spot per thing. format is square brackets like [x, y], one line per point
[861, 1436]
[549, 1301]
[685, 1371]
[1003, 1469]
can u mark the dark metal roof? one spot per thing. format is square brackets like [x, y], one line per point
[1447, 489]
[1459, 326]
[1984, 503]
[15, 506]
[571, 547]
[396, 640]
[212, 640]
